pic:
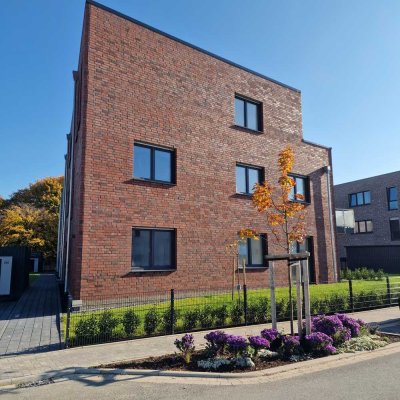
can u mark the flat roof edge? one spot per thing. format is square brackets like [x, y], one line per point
[124, 16]
[316, 144]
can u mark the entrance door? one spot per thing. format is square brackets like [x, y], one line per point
[5, 275]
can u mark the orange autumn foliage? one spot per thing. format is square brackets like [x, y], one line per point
[284, 216]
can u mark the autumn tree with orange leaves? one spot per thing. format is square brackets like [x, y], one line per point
[285, 214]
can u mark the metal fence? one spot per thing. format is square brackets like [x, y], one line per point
[174, 311]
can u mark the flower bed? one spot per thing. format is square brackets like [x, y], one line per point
[231, 353]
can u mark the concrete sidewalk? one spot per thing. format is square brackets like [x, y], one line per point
[33, 366]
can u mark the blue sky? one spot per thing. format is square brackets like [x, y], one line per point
[343, 55]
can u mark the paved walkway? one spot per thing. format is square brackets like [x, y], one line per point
[31, 324]
[66, 361]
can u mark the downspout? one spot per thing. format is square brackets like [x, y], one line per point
[328, 186]
[69, 213]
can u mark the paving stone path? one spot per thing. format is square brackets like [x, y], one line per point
[31, 324]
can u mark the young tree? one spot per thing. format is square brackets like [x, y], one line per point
[284, 211]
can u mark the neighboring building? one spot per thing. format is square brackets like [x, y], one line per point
[166, 143]
[375, 242]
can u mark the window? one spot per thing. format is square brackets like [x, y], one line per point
[300, 188]
[363, 226]
[153, 249]
[247, 113]
[153, 163]
[360, 199]
[252, 251]
[392, 198]
[394, 228]
[246, 178]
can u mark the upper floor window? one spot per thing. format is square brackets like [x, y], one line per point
[153, 249]
[246, 178]
[360, 199]
[252, 252]
[301, 188]
[394, 228]
[153, 163]
[247, 113]
[363, 226]
[392, 198]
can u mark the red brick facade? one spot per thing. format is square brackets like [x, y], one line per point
[137, 84]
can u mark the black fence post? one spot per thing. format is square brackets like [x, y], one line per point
[351, 295]
[389, 295]
[172, 310]
[69, 309]
[245, 303]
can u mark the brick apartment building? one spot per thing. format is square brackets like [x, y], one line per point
[375, 242]
[166, 143]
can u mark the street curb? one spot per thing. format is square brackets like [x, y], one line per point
[306, 366]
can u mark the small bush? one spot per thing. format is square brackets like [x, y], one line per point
[206, 317]
[87, 330]
[131, 322]
[237, 314]
[166, 320]
[220, 314]
[151, 321]
[237, 345]
[282, 309]
[216, 342]
[362, 274]
[319, 344]
[107, 323]
[190, 319]
[337, 302]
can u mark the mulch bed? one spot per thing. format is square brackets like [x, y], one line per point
[173, 362]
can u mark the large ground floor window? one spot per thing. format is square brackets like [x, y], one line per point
[153, 249]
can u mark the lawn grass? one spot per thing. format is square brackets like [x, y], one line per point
[325, 298]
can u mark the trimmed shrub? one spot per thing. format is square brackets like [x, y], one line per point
[220, 314]
[166, 320]
[130, 322]
[87, 330]
[237, 314]
[107, 323]
[282, 309]
[151, 321]
[190, 319]
[206, 317]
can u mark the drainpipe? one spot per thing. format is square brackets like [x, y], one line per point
[70, 175]
[328, 186]
[71, 137]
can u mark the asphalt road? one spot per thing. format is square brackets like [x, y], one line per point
[368, 380]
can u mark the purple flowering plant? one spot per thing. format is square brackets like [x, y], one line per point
[273, 336]
[290, 346]
[216, 342]
[318, 343]
[186, 346]
[257, 343]
[236, 344]
[352, 324]
[332, 326]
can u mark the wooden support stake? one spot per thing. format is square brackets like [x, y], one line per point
[307, 310]
[272, 289]
[299, 302]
